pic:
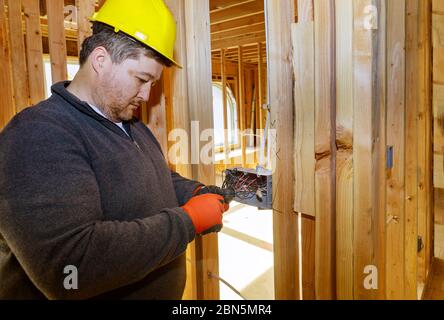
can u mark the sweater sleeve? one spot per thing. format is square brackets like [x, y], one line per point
[51, 217]
[184, 187]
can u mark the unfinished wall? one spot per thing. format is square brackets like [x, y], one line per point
[363, 147]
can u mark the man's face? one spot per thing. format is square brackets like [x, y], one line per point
[123, 87]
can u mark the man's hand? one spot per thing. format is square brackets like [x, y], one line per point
[205, 211]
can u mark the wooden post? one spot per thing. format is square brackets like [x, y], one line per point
[57, 41]
[34, 50]
[181, 121]
[396, 139]
[7, 108]
[411, 150]
[223, 73]
[18, 58]
[325, 149]
[197, 20]
[242, 124]
[85, 9]
[285, 222]
[260, 81]
[344, 141]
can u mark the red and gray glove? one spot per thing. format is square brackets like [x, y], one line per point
[205, 211]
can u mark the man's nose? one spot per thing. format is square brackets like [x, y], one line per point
[144, 93]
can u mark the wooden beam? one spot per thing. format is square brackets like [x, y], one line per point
[85, 10]
[224, 106]
[236, 41]
[237, 23]
[285, 221]
[181, 121]
[248, 29]
[325, 148]
[57, 41]
[7, 108]
[222, 4]
[242, 104]
[197, 21]
[34, 50]
[411, 150]
[367, 154]
[396, 139]
[234, 12]
[344, 141]
[304, 104]
[308, 229]
[18, 59]
[260, 86]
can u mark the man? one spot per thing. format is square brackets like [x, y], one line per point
[84, 187]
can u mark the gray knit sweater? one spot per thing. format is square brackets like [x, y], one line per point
[75, 190]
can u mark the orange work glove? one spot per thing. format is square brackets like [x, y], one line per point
[206, 212]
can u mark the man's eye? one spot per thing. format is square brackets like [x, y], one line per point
[142, 80]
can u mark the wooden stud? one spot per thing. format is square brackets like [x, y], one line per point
[325, 149]
[57, 42]
[241, 105]
[34, 50]
[260, 87]
[364, 159]
[396, 138]
[18, 59]
[85, 9]
[376, 254]
[7, 108]
[197, 21]
[308, 229]
[224, 106]
[411, 150]
[344, 142]
[285, 221]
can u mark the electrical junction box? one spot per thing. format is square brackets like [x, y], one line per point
[252, 187]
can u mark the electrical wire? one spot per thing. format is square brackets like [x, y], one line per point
[211, 275]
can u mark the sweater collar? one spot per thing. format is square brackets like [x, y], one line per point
[60, 90]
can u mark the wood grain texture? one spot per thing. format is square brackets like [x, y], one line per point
[344, 142]
[7, 108]
[304, 104]
[285, 222]
[396, 137]
[18, 58]
[411, 149]
[364, 43]
[57, 41]
[325, 150]
[85, 10]
[34, 51]
[198, 69]
[308, 229]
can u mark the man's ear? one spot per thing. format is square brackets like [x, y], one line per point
[99, 58]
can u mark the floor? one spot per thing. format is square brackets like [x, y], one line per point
[246, 254]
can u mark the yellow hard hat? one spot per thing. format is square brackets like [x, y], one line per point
[148, 21]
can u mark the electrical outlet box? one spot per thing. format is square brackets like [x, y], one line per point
[252, 186]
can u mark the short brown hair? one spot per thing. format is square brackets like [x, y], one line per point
[119, 45]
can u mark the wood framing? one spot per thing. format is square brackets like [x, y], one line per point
[57, 40]
[18, 58]
[7, 108]
[34, 51]
[285, 222]
[344, 142]
[197, 22]
[325, 150]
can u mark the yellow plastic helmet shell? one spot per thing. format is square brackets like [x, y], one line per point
[148, 21]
